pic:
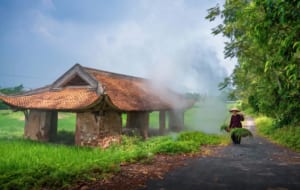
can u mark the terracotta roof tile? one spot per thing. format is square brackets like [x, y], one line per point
[136, 94]
[65, 99]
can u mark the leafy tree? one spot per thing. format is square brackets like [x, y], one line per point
[264, 35]
[10, 91]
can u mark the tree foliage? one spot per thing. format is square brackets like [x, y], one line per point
[264, 35]
[10, 91]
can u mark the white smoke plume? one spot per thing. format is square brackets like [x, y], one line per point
[167, 41]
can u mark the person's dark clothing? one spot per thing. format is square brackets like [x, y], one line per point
[236, 121]
[235, 139]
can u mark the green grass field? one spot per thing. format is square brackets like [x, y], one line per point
[11, 124]
[28, 164]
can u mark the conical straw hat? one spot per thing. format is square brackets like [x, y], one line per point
[234, 109]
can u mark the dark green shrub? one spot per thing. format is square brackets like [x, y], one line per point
[173, 147]
[199, 137]
[241, 132]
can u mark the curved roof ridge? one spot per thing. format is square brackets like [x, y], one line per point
[114, 74]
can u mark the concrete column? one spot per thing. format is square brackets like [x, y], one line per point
[162, 122]
[176, 120]
[140, 121]
[98, 128]
[40, 125]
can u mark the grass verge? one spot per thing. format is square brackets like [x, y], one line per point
[288, 136]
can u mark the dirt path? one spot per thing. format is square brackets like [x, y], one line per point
[254, 164]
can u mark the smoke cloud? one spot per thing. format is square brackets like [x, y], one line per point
[166, 41]
[209, 115]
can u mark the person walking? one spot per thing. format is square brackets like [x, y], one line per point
[235, 122]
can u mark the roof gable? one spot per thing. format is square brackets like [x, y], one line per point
[76, 80]
[76, 77]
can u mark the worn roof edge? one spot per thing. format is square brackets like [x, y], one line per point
[20, 108]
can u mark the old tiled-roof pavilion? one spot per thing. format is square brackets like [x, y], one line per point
[98, 98]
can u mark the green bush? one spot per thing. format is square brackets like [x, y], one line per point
[264, 125]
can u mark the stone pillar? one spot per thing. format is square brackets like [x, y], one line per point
[40, 125]
[98, 128]
[140, 121]
[162, 122]
[176, 120]
[53, 128]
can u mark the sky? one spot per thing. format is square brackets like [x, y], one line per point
[167, 41]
